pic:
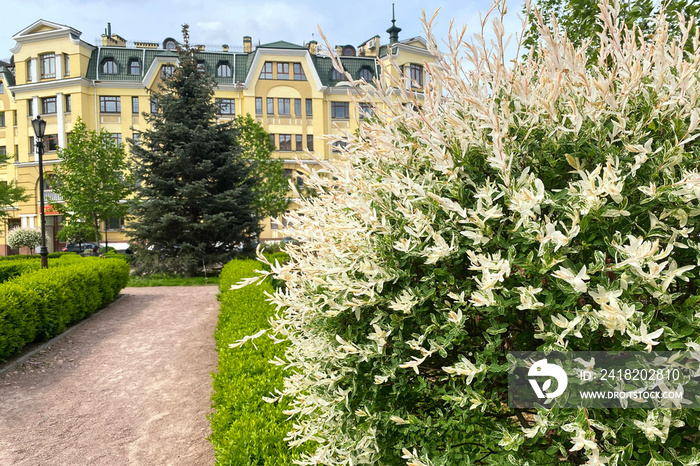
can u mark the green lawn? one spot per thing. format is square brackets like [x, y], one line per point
[171, 280]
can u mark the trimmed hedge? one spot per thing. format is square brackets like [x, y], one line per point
[245, 429]
[41, 304]
[20, 257]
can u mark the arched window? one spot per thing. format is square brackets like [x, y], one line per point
[134, 67]
[348, 51]
[223, 70]
[337, 75]
[169, 44]
[109, 66]
[366, 74]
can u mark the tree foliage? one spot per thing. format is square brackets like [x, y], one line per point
[10, 193]
[545, 204]
[27, 237]
[93, 177]
[195, 202]
[580, 19]
[272, 189]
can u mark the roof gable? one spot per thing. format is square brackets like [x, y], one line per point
[281, 44]
[41, 27]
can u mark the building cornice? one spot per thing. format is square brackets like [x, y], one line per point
[36, 164]
[58, 83]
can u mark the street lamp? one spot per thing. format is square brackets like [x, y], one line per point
[39, 129]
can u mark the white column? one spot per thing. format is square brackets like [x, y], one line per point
[24, 221]
[31, 221]
[35, 72]
[58, 58]
[59, 120]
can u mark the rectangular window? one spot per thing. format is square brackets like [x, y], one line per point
[14, 117]
[270, 106]
[309, 108]
[30, 107]
[66, 65]
[115, 224]
[282, 70]
[166, 71]
[416, 74]
[273, 224]
[68, 104]
[300, 180]
[154, 105]
[51, 142]
[29, 70]
[117, 138]
[340, 110]
[283, 106]
[297, 107]
[32, 147]
[272, 141]
[3, 150]
[135, 105]
[299, 72]
[137, 139]
[48, 105]
[2, 88]
[226, 106]
[110, 104]
[266, 72]
[310, 142]
[287, 172]
[2, 119]
[48, 65]
[258, 105]
[286, 142]
[366, 110]
[298, 146]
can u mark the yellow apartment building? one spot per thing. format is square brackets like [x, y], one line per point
[292, 90]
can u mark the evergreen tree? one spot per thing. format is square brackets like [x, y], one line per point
[195, 193]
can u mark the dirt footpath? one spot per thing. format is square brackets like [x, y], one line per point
[129, 386]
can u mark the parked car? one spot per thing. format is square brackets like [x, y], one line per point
[79, 248]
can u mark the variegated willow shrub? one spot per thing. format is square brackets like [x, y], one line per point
[547, 203]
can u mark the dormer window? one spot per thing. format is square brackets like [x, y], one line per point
[337, 75]
[223, 70]
[166, 71]
[170, 44]
[134, 67]
[201, 65]
[348, 51]
[366, 74]
[109, 66]
[48, 65]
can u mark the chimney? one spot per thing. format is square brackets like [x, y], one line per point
[199, 47]
[247, 44]
[338, 50]
[224, 47]
[312, 47]
[114, 40]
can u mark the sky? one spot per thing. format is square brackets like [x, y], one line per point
[217, 22]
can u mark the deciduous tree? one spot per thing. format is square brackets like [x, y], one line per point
[93, 177]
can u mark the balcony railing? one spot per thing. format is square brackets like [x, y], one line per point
[50, 196]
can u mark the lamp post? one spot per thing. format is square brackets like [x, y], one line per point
[39, 129]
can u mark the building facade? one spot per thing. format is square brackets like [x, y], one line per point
[292, 90]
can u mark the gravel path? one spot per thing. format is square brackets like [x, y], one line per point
[129, 386]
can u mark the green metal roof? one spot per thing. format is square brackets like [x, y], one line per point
[239, 62]
[281, 44]
[324, 68]
[7, 76]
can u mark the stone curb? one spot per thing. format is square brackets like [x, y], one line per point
[12, 364]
